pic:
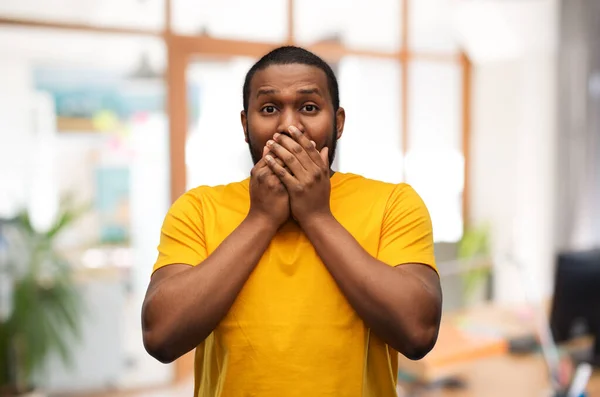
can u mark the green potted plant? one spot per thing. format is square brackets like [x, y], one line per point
[44, 306]
[474, 253]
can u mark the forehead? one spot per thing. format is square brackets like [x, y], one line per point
[290, 76]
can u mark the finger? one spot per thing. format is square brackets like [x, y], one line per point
[266, 151]
[277, 159]
[324, 155]
[288, 158]
[262, 170]
[309, 146]
[260, 163]
[280, 162]
[282, 173]
[296, 149]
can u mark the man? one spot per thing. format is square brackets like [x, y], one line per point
[298, 281]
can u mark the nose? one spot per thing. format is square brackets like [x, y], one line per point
[289, 117]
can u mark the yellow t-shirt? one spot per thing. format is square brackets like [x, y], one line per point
[291, 332]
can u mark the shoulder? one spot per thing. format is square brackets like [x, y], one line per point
[375, 187]
[346, 181]
[202, 196]
[404, 201]
[405, 193]
[395, 199]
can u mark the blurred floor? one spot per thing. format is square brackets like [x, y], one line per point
[184, 389]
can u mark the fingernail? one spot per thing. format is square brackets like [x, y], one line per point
[268, 158]
[276, 135]
[292, 129]
[313, 143]
[270, 142]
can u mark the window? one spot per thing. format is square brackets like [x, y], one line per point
[431, 27]
[360, 24]
[434, 163]
[148, 14]
[370, 93]
[219, 85]
[256, 20]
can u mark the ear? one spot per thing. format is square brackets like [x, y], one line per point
[340, 118]
[244, 124]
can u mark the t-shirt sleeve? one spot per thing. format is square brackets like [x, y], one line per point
[182, 233]
[406, 230]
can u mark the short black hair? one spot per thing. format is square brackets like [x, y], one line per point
[289, 55]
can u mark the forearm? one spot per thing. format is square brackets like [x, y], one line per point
[186, 307]
[396, 305]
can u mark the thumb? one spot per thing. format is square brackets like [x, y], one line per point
[324, 153]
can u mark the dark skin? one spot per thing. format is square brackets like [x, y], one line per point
[290, 119]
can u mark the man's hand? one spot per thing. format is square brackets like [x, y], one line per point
[306, 177]
[269, 198]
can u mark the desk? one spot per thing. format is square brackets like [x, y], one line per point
[497, 373]
[507, 376]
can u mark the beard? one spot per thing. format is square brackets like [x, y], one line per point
[256, 152]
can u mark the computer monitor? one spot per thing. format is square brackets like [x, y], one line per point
[576, 302]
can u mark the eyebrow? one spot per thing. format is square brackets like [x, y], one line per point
[305, 91]
[266, 91]
[308, 91]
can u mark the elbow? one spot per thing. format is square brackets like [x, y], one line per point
[156, 338]
[420, 343]
[163, 342]
[420, 349]
[157, 347]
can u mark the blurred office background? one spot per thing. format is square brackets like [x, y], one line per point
[489, 108]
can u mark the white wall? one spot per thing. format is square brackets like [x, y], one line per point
[16, 132]
[513, 166]
[513, 163]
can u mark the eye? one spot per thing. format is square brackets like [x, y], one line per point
[310, 108]
[269, 109]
